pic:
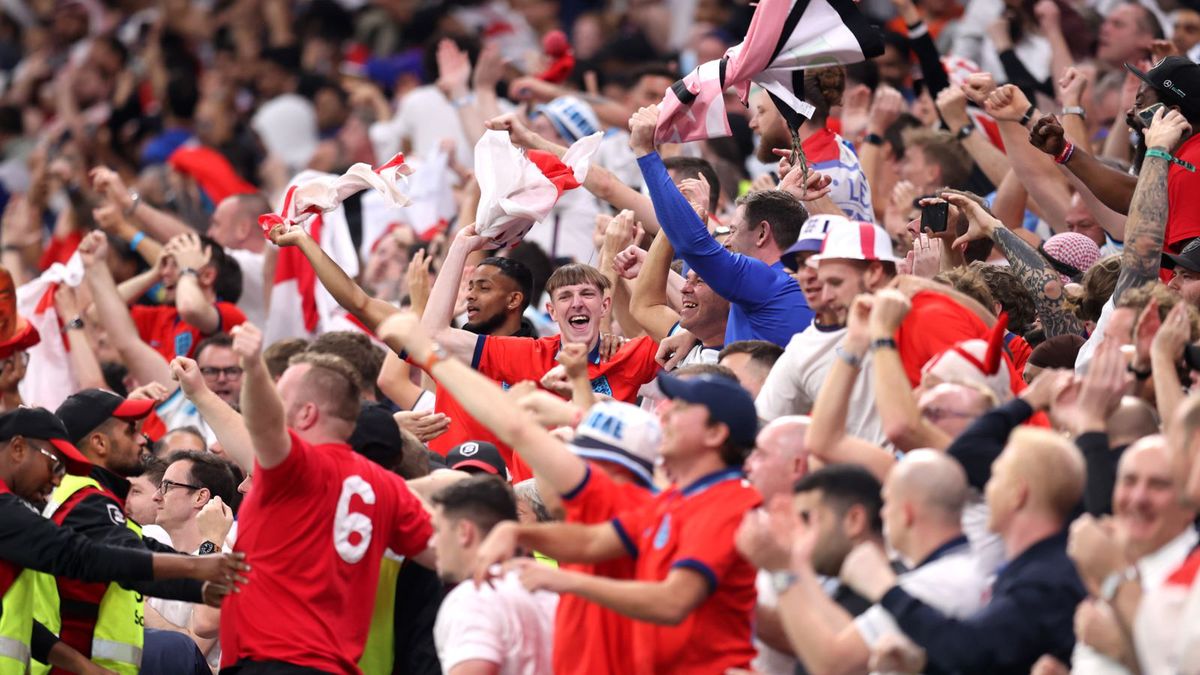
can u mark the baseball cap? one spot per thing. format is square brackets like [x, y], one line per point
[812, 237]
[572, 117]
[43, 425]
[620, 433]
[376, 435]
[1176, 79]
[1188, 258]
[84, 411]
[727, 402]
[476, 456]
[860, 241]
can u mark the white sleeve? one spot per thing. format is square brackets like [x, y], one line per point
[781, 393]
[466, 630]
[1089, 348]
[874, 624]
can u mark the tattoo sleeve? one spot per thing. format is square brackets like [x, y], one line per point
[1041, 280]
[1146, 228]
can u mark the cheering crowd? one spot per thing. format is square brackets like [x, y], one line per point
[585, 337]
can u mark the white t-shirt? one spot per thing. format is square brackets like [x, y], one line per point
[952, 584]
[792, 385]
[426, 118]
[502, 623]
[177, 411]
[567, 231]
[769, 661]
[253, 301]
[179, 612]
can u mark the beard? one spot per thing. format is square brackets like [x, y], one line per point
[777, 137]
[486, 326]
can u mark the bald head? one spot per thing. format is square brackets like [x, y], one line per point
[780, 456]
[1133, 419]
[934, 482]
[1050, 465]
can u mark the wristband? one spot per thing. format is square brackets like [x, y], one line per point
[1028, 115]
[1065, 156]
[850, 359]
[188, 270]
[883, 343]
[1075, 110]
[873, 139]
[1163, 154]
[137, 239]
[1141, 375]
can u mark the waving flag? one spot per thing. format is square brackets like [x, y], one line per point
[785, 37]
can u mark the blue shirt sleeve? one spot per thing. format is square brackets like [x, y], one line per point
[735, 277]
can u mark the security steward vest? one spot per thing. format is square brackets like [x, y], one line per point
[379, 654]
[16, 617]
[116, 641]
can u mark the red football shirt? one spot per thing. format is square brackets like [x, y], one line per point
[162, 328]
[605, 650]
[694, 528]
[510, 360]
[1183, 210]
[314, 529]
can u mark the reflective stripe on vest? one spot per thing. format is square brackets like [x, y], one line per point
[118, 632]
[16, 624]
[379, 653]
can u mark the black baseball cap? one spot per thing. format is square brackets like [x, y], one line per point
[43, 425]
[727, 402]
[1188, 258]
[1176, 79]
[377, 436]
[84, 411]
[476, 457]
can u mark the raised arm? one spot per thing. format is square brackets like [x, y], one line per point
[649, 304]
[1145, 231]
[146, 364]
[262, 409]
[1045, 184]
[345, 290]
[1031, 268]
[226, 423]
[485, 401]
[83, 359]
[158, 224]
[439, 311]
[193, 258]
[1113, 188]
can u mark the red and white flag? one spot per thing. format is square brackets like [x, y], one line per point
[50, 379]
[785, 37]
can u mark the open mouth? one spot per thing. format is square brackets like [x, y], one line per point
[579, 321]
[472, 312]
[689, 307]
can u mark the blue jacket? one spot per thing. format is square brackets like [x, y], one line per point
[1031, 613]
[766, 303]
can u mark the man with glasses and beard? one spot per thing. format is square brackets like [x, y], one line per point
[104, 621]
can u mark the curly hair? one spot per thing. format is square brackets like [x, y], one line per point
[1012, 295]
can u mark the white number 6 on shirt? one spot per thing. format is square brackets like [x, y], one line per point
[346, 523]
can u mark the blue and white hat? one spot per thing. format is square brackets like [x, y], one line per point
[571, 116]
[812, 236]
[623, 434]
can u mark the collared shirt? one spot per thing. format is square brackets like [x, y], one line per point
[693, 528]
[1031, 612]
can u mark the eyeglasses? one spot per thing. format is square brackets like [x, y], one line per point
[166, 485]
[57, 466]
[230, 373]
[936, 415]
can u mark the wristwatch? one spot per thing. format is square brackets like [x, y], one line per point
[1112, 583]
[781, 581]
[437, 353]
[73, 324]
[965, 132]
[883, 343]
[1074, 110]
[207, 548]
[873, 139]
[188, 270]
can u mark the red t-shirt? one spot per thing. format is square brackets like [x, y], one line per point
[163, 329]
[605, 650]
[510, 360]
[1183, 210]
[694, 528]
[936, 323]
[314, 529]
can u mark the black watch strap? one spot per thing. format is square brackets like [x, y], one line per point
[873, 139]
[207, 548]
[965, 132]
[883, 343]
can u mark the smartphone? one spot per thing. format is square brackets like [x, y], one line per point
[933, 217]
[1191, 356]
[1147, 115]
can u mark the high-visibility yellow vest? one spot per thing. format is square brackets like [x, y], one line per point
[16, 624]
[379, 654]
[117, 637]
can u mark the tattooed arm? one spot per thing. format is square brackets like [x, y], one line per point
[1029, 265]
[1147, 225]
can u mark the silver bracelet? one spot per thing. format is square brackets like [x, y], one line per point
[850, 359]
[135, 199]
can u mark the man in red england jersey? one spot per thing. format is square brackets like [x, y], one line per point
[316, 522]
[608, 468]
[691, 595]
